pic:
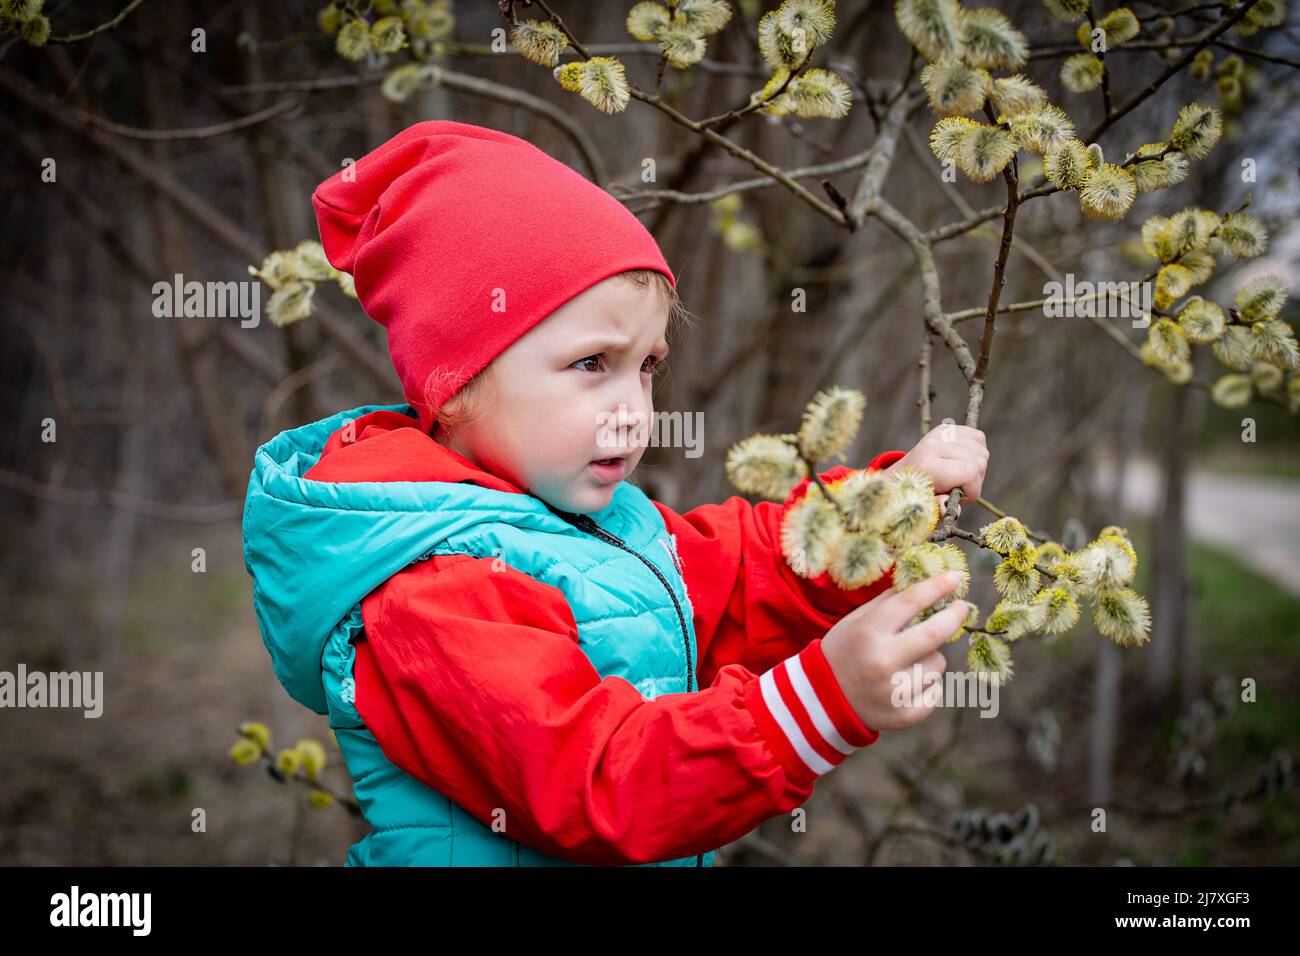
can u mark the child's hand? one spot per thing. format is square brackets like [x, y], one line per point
[873, 643]
[955, 456]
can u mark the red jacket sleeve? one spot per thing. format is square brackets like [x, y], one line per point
[472, 681]
[749, 606]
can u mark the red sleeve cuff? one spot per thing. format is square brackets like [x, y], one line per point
[879, 463]
[884, 460]
[805, 717]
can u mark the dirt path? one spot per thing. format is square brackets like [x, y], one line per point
[1255, 518]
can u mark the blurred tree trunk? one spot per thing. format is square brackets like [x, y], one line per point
[1189, 657]
[278, 192]
[57, 522]
[133, 453]
[201, 371]
[1171, 643]
[1109, 670]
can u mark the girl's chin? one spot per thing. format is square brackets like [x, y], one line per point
[594, 498]
[588, 496]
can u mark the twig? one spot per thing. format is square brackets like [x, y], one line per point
[1107, 103]
[1200, 41]
[989, 506]
[102, 28]
[659, 196]
[923, 401]
[755, 103]
[976, 391]
[88, 498]
[955, 229]
[462, 82]
[1146, 46]
[932, 307]
[608, 49]
[882, 159]
[286, 109]
[713, 136]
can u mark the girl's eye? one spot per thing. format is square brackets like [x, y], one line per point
[652, 364]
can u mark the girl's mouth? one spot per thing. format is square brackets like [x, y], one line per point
[608, 469]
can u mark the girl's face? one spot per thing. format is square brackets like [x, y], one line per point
[574, 389]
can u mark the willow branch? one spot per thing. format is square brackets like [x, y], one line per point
[1198, 43]
[464, 83]
[976, 391]
[1148, 46]
[608, 49]
[958, 532]
[931, 304]
[923, 400]
[713, 136]
[755, 103]
[660, 196]
[286, 109]
[202, 213]
[989, 506]
[199, 514]
[955, 229]
[1108, 104]
[882, 159]
[102, 28]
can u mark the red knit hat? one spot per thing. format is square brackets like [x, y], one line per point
[461, 238]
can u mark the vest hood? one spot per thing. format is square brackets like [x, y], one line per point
[382, 494]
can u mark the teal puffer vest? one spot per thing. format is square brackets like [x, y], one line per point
[315, 549]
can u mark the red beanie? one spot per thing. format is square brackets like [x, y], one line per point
[461, 238]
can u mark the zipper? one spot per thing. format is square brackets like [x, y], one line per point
[586, 523]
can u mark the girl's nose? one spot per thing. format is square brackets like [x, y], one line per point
[632, 419]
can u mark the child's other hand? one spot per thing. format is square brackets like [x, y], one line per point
[955, 456]
[873, 643]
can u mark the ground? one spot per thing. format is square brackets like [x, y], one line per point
[190, 665]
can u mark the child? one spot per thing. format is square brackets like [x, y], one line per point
[525, 661]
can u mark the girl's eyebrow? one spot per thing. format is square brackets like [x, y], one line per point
[606, 344]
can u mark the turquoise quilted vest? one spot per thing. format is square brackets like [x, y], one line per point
[315, 549]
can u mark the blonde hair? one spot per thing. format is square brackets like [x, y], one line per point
[472, 399]
[466, 404]
[678, 314]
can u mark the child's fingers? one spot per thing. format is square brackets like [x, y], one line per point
[919, 640]
[899, 607]
[964, 450]
[973, 486]
[932, 668]
[952, 434]
[963, 473]
[912, 683]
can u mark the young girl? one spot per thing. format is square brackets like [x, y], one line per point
[525, 660]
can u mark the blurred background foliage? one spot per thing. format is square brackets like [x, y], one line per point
[160, 171]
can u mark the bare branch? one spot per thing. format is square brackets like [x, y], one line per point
[1199, 42]
[932, 307]
[102, 28]
[462, 82]
[882, 158]
[88, 498]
